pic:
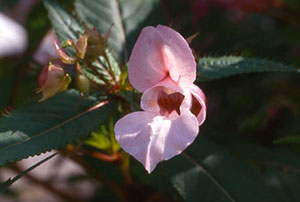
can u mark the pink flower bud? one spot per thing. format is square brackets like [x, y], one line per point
[96, 44]
[52, 80]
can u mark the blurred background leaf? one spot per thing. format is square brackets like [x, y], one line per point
[288, 140]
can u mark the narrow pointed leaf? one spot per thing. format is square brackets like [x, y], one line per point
[210, 68]
[42, 126]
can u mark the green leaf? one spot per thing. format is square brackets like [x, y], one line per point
[264, 156]
[98, 140]
[210, 68]
[217, 176]
[132, 97]
[284, 183]
[288, 140]
[205, 172]
[126, 17]
[65, 25]
[10, 181]
[40, 127]
[103, 69]
[104, 138]
[188, 185]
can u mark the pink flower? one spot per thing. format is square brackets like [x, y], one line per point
[52, 80]
[162, 66]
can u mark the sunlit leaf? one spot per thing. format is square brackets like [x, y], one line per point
[98, 140]
[104, 69]
[42, 126]
[210, 68]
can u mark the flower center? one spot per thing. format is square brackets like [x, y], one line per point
[169, 102]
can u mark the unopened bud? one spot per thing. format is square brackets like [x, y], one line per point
[52, 80]
[82, 83]
[93, 35]
[96, 44]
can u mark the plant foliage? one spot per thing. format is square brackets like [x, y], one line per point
[43, 126]
[210, 68]
[127, 18]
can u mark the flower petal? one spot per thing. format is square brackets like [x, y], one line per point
[146, 64]
[151, 138]
[158, 53]
[179, 56]
[135, 135]
[182, 133]
[199, 95]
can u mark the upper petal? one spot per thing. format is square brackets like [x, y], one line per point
[158, 53]
[179, 56]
